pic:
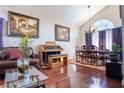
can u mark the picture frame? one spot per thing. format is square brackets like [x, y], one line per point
[20, 25]
[62, 33]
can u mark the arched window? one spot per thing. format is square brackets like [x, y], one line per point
[102, 25]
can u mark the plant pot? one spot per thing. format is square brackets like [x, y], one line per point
[23, 65]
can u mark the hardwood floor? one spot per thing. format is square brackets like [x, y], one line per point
[75, 76]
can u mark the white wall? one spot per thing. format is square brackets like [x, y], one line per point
[110, 12]
[46, 32]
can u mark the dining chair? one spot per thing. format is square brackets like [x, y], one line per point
[83, 47]
[103, 57]
[93, 55]
[93, 47]
[84, 54]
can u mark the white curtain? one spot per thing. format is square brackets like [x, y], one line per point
[95, 38]
[109, 39]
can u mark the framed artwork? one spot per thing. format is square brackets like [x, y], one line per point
[19, 25]
[62, 33]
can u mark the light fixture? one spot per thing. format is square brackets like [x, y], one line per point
[90, 30]
[89, 21]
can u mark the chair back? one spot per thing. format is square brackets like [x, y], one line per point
[93, 47]
[83, 47]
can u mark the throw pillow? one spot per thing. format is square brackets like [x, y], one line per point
[14, 54]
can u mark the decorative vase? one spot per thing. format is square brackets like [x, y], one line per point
[23, 65]
[26, 77]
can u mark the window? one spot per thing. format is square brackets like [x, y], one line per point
[103, 24]
[100, 25]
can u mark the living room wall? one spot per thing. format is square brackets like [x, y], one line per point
[46, 31]
[110, 12]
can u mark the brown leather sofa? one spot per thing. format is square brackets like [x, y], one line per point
[8, 62]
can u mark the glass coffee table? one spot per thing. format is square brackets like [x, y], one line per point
[33, 79]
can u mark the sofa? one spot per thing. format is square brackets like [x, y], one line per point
[9, 56]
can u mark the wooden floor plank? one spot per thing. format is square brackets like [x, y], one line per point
[76, 76]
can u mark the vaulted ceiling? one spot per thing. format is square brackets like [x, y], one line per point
[72, 14]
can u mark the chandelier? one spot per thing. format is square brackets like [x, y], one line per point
[89, 21]
[90, 30]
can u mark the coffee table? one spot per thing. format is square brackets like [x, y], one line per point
[13, 79]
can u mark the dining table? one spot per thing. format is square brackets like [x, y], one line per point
[93, 55]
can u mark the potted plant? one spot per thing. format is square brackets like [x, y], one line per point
[23, 62]
[115, 56]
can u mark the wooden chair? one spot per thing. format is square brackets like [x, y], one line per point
[103, 57]
[78, 54]
[93, 47]
[83, 47]
[94, 56]
[83, 54]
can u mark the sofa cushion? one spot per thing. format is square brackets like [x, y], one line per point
[14, 53]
